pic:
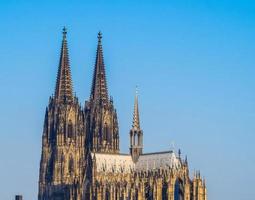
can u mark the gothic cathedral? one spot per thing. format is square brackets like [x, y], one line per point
[81, 159]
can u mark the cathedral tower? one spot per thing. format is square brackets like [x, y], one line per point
[136, 134]
[63, 140]
[101, 117]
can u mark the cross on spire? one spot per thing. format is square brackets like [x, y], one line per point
[64, 90]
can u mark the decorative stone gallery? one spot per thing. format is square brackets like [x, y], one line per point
[81, 159]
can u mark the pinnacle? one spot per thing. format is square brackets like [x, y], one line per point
[136, 120]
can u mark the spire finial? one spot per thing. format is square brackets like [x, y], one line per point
[64, 32]
[99, 36]
[136, 90]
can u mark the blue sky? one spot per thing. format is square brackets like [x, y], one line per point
[193, 61]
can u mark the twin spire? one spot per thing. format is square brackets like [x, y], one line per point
[64, 88]
[99, 85]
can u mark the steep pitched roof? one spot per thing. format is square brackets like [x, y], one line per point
[116, 163]
[157, 160]
[119, 163]
[99, 84]
[64, 90]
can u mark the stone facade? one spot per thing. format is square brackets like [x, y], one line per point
[80, 157]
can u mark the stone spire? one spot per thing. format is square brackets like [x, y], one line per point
[99, 85]
[136, 134]
[64, 90]
[136, 121]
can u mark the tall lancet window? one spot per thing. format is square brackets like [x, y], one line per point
[136, 193]
[107, 133]
[178, 190]
[164, 191]
[137, 139]
[148, 192]
[135, 135]
[71, 165]
[107, 194]
[70, 129]
[62, 164]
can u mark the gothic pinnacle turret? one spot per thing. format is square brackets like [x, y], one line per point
[64, 90]
[136, 121]
[136, 134]
[99, 86]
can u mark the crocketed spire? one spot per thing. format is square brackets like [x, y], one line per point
[136, 121]
[99, 84]
[64, 90]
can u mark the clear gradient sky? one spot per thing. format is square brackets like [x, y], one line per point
[194, 63]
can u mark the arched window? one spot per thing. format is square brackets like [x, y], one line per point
[97, 189]
[50, 169]
[116, 192]
[121, 195]
[71, 165]
[107, 194]
[148, 192]
[107, 133]
[164, 191]
[62, 164]
[178, 190]
[136, 194]
[135, 139]
[70, 129]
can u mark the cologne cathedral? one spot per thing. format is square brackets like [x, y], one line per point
[81, 159]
